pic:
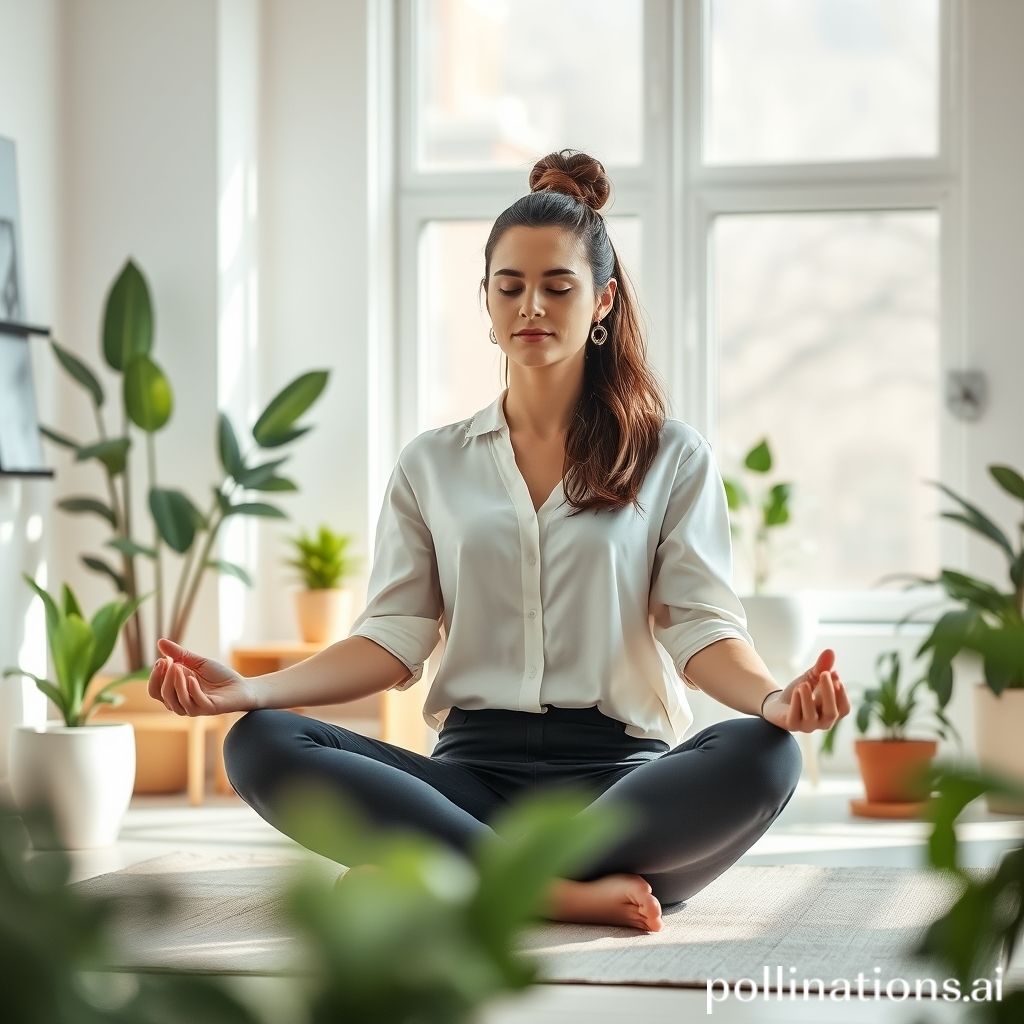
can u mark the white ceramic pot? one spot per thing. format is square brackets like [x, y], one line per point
[83, 774]
[783, 627]
[998, 728]
[322, 614]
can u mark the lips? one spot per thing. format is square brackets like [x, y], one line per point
[532, 334]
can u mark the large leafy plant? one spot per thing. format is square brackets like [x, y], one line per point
[177, 522]
[989, 621]
[768, 510]
[79, 648]
[320, 558]
[890, 707]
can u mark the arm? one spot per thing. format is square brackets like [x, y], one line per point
[352, 668]
[732, 672]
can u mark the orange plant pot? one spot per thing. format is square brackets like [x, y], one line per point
[888, 768]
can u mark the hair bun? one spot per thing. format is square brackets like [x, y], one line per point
[572, 173]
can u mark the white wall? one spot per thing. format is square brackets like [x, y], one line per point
[30, 115]
[147, 99]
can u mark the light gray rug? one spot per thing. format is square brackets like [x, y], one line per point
[828, 923]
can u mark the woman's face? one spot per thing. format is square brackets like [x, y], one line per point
[523, 293]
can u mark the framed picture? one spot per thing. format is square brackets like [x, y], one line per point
[20, 442]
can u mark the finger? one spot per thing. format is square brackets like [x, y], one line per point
[180, 654]
[181, 689]
[199, 698]
[829, 711]
[169, 692]
[842, 699]
[807, 706]
[156, 677]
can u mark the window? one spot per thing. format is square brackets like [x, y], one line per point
[786, 202]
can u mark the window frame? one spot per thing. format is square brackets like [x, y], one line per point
[676, 197]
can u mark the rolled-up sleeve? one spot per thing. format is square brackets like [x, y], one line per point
[404, 606]
[692, 602]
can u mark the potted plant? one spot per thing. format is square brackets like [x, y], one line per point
[83, 772]
[783, 625]
[989, 622]
[177, 521]
[322, 606]
[892, 768]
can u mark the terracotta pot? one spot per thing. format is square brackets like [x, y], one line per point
[998, 728]
[887, 768]
[322, 614]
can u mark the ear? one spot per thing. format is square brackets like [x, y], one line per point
[607, 298]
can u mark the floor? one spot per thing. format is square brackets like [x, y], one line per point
[815, 828]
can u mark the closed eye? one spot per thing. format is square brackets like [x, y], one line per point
[553, 291]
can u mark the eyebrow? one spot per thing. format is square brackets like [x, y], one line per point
[556, 272]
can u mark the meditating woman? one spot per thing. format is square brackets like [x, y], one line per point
[573, 543]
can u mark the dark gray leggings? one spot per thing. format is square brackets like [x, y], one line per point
[702, 804]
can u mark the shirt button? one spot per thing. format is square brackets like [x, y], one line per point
[533, 613]
[532, 560]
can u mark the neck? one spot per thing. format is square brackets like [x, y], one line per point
[541, 403]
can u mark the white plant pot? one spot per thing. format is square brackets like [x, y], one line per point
[83, 775]
[998, 728]
[783, 627]
[322, 614]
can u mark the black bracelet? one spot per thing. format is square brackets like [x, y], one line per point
[766, 696]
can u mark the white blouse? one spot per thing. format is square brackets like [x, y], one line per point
[604, 608]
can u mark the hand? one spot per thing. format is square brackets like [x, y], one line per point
[190, 685]
[815, 700]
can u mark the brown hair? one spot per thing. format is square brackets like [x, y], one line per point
[613, 438]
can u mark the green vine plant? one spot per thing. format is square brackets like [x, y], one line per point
[321, 559]
[79, 648]
[177, 522]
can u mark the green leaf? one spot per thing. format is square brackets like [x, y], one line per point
[227, 443]
[735, 494]
[127, 318]
[285, 438]
[287, 406]
[275, 483]
[147, 394]
[176, 517]
[130, 548]
[45, 685]
[98, 565]
[759, 458]
[79, 371]
[255, 478]
[106, 625]
[980, 521]
[61, 439]
[112, 453]
[71, 604]
[78, 505]
[1009, 479]
[256, 508]
[53, 613]
[230, 568]
[72, 644]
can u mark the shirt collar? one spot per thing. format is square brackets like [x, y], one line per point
[490, 418]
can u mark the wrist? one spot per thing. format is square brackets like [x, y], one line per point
[765, 700]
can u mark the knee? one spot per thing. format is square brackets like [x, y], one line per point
[775, 760]
[248, 742]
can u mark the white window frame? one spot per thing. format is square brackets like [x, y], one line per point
[672, 187]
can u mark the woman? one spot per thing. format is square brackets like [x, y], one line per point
[551, 672]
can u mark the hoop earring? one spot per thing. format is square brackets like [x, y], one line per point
[494, 340]
[599, 334]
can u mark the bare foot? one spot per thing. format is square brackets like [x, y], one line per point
[359, 869]
[615, 899]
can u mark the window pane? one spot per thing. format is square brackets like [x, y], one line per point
[827, 331]
[817, 80]
[502, 82]
[462, 370]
